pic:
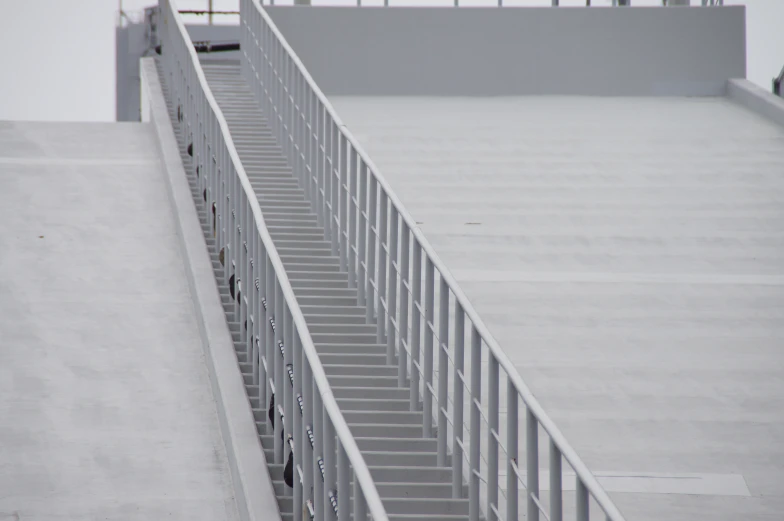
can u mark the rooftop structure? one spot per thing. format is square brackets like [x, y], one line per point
[442, 265]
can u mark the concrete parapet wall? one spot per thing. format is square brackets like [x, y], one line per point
[757, 100]
[254, 494]
[518, 51]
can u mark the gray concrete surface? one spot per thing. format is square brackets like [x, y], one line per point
[106, 406]
[254, 494]
[628, 254]
[436, 51]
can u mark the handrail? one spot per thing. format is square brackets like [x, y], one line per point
[533, 405]
[361, 471]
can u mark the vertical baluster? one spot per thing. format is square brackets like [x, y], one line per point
[280, 304]
[343, 202]
[253, 322]
[381, 280]
[581, 501]
[556, 503]
[492, 441]
[344, 503]
[512, 453]
[318, 141]
[327, 181]
[236, 239]
[313, 174]
[392, 316]
[330, 468]
[360, 507]
[371, 249]
[318, 483]
[443, 371]
[416, 320]
[532, 459]
[242, 277]
[427, 398]
[402, 358]
[288, 389]
[297, 429]
[476, 403]
[324, 169]
[307, 420]
[352, 194]
[457, 445]
[362, 249]
[334, 185]
[269, 291]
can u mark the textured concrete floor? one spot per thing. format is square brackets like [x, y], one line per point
[106, 411]
[628, 254]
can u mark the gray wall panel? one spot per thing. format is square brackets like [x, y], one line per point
[518, 51]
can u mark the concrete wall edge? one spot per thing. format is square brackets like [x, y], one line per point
[253, 490]
[756, 99]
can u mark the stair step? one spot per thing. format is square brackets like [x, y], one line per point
[397, 444]
[361, 370]
[373, 417]
[391, 393]
[378, 430]
[314, 320]
[357, 349]
[360, 359]
[336, 327]
[364, 404]
[410, 474]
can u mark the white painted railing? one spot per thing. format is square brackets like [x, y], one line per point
[421, 313]
[277, 337]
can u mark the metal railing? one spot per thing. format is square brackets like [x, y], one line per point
[500, 3]
[420, 311]
[277, 338]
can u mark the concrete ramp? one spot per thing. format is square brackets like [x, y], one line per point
[106, 410]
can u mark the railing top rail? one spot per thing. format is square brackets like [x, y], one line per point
[530, 400]
[361, 471]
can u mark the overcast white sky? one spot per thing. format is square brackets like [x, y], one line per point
[57, 56]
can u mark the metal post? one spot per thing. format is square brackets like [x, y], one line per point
[581, 501]
[392, 317]
[278, 361]
[492, 441]
[381, 280]
[334, 185]
[330, 467]
[427, 398]
[296, 348]
[362, 239]
[319, 182]
[288, 398]
[512, 455]
[402, 362]
[352, 194]
[443, 371]
[318, 483]
[270, 335]
[209, 8]
[307, 421]
[344, 503]
[457, 428]
[416, 319]
[532, 459]
[476, 403]
[556, 503]
[370, 294]
[360, 507]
